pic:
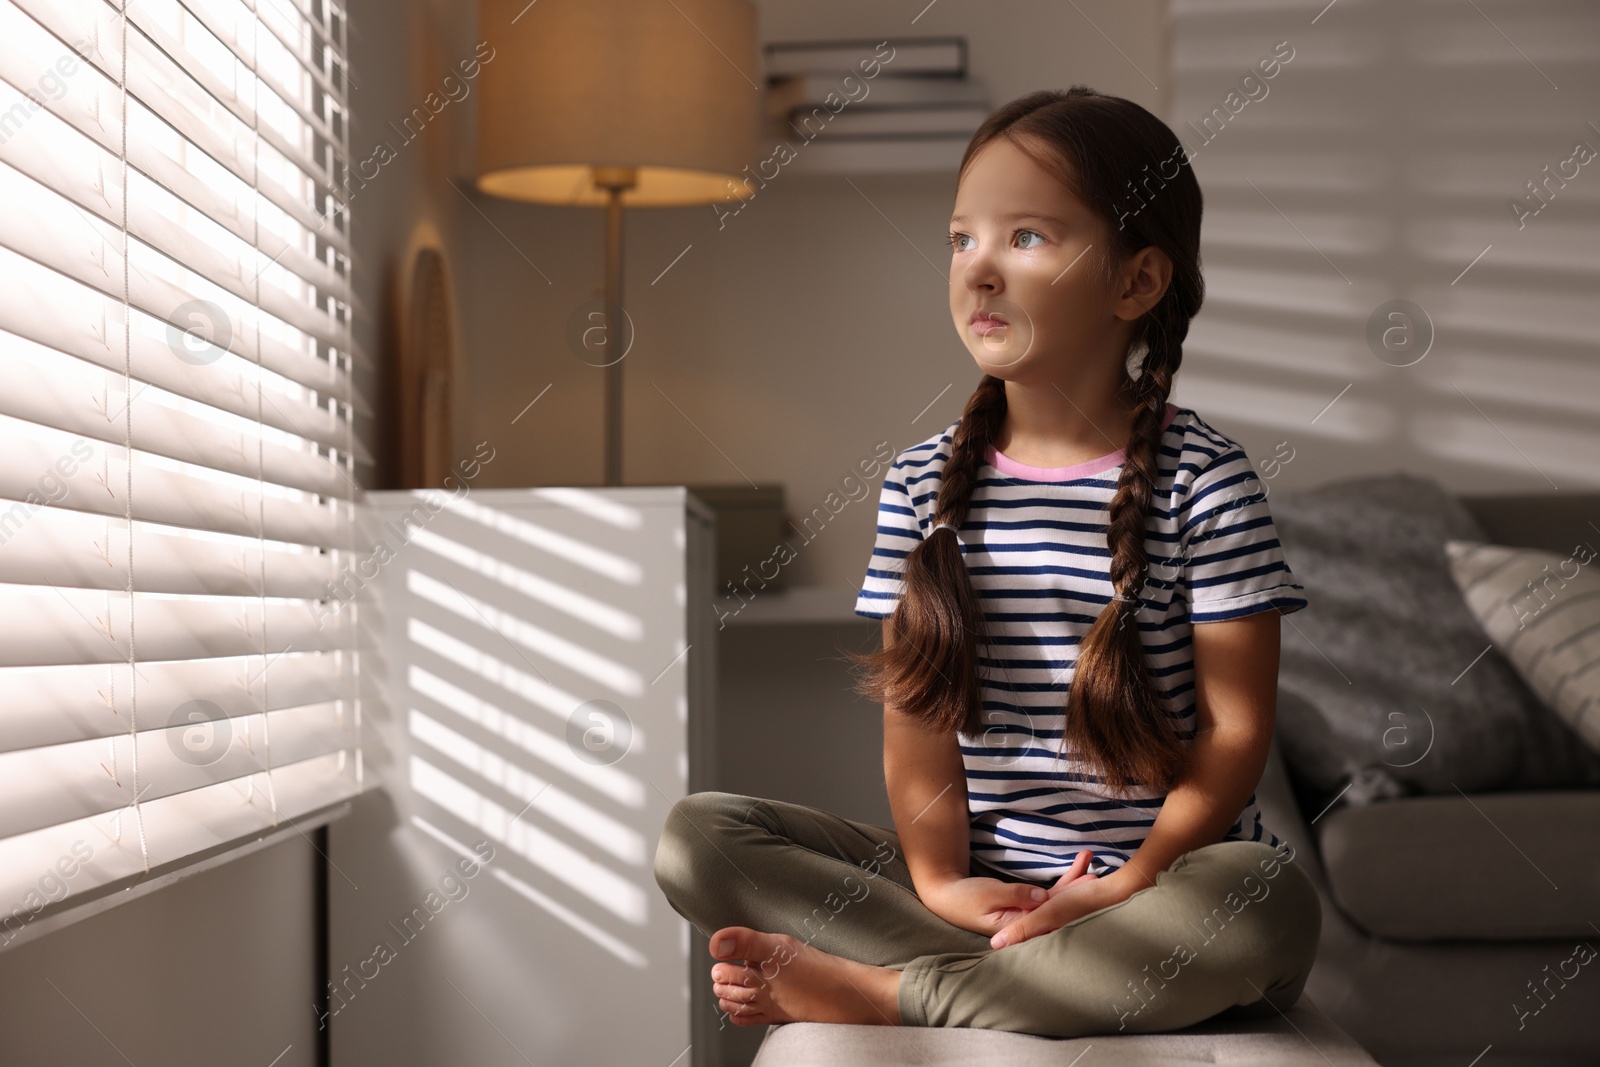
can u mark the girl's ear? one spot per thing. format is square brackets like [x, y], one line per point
[1143, 281]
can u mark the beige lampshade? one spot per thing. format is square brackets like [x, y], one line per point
[672, 88]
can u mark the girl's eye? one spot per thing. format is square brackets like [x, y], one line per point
[954, 239]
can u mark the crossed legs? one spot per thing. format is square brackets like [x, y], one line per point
[825, 925]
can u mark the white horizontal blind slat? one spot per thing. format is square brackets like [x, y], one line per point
[54, 311]
[51, 388]
[177, 827]
[171, 494]
[54, 705]
[51, 546]
[41, 626]
[42, 787]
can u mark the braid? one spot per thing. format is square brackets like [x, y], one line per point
[1125, 533]
[931, 669]
[1115, 719]
[979, 427]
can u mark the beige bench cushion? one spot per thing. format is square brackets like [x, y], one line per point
[1301, 1036]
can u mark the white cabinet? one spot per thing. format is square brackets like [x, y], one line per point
[541, 675]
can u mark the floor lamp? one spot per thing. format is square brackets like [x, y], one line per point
[613, 104]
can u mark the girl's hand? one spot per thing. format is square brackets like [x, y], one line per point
[1070, 899]
[988, 905]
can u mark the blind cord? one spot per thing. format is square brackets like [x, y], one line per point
[127, 423]
[261, 494]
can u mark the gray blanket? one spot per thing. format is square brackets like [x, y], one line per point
[1388, 686]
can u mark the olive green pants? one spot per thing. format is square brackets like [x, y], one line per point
[1228, 930]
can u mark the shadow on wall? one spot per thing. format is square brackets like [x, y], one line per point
[1393, 278]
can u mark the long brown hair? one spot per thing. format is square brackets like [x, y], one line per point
[1118, 159]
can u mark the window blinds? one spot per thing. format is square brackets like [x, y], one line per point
[177, 455]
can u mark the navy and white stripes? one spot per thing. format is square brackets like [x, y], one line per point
[1035, 545]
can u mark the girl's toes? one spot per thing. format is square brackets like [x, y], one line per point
[741, 1013]
[736, 994]
[732, 974]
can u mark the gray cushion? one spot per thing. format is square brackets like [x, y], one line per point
[1388, 685]
[1493, 867]
[1302, 1035]
[1542, 611]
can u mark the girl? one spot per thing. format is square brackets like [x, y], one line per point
[1079, 661]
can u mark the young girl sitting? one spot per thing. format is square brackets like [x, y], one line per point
[1079, 662]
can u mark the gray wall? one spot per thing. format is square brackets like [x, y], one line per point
[218, 968]
[402, 50]
[1381, 164]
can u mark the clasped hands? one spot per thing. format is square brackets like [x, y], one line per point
[1012, 912]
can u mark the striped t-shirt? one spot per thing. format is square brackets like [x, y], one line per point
[1034, 542]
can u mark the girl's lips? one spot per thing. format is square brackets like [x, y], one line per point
[984, 326]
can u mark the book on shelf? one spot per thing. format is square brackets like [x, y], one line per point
[908, 155]
[803, 92]
[889, 123]
[944, 57]
[915, 111]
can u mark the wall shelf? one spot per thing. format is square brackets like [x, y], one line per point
[798, 605]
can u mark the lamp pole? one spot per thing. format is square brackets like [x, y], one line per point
[615, 181]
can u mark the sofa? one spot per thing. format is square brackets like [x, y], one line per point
[1449, 918]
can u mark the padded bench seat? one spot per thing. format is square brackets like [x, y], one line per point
[1302, 1035]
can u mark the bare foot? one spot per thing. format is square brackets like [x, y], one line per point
[775, 978]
